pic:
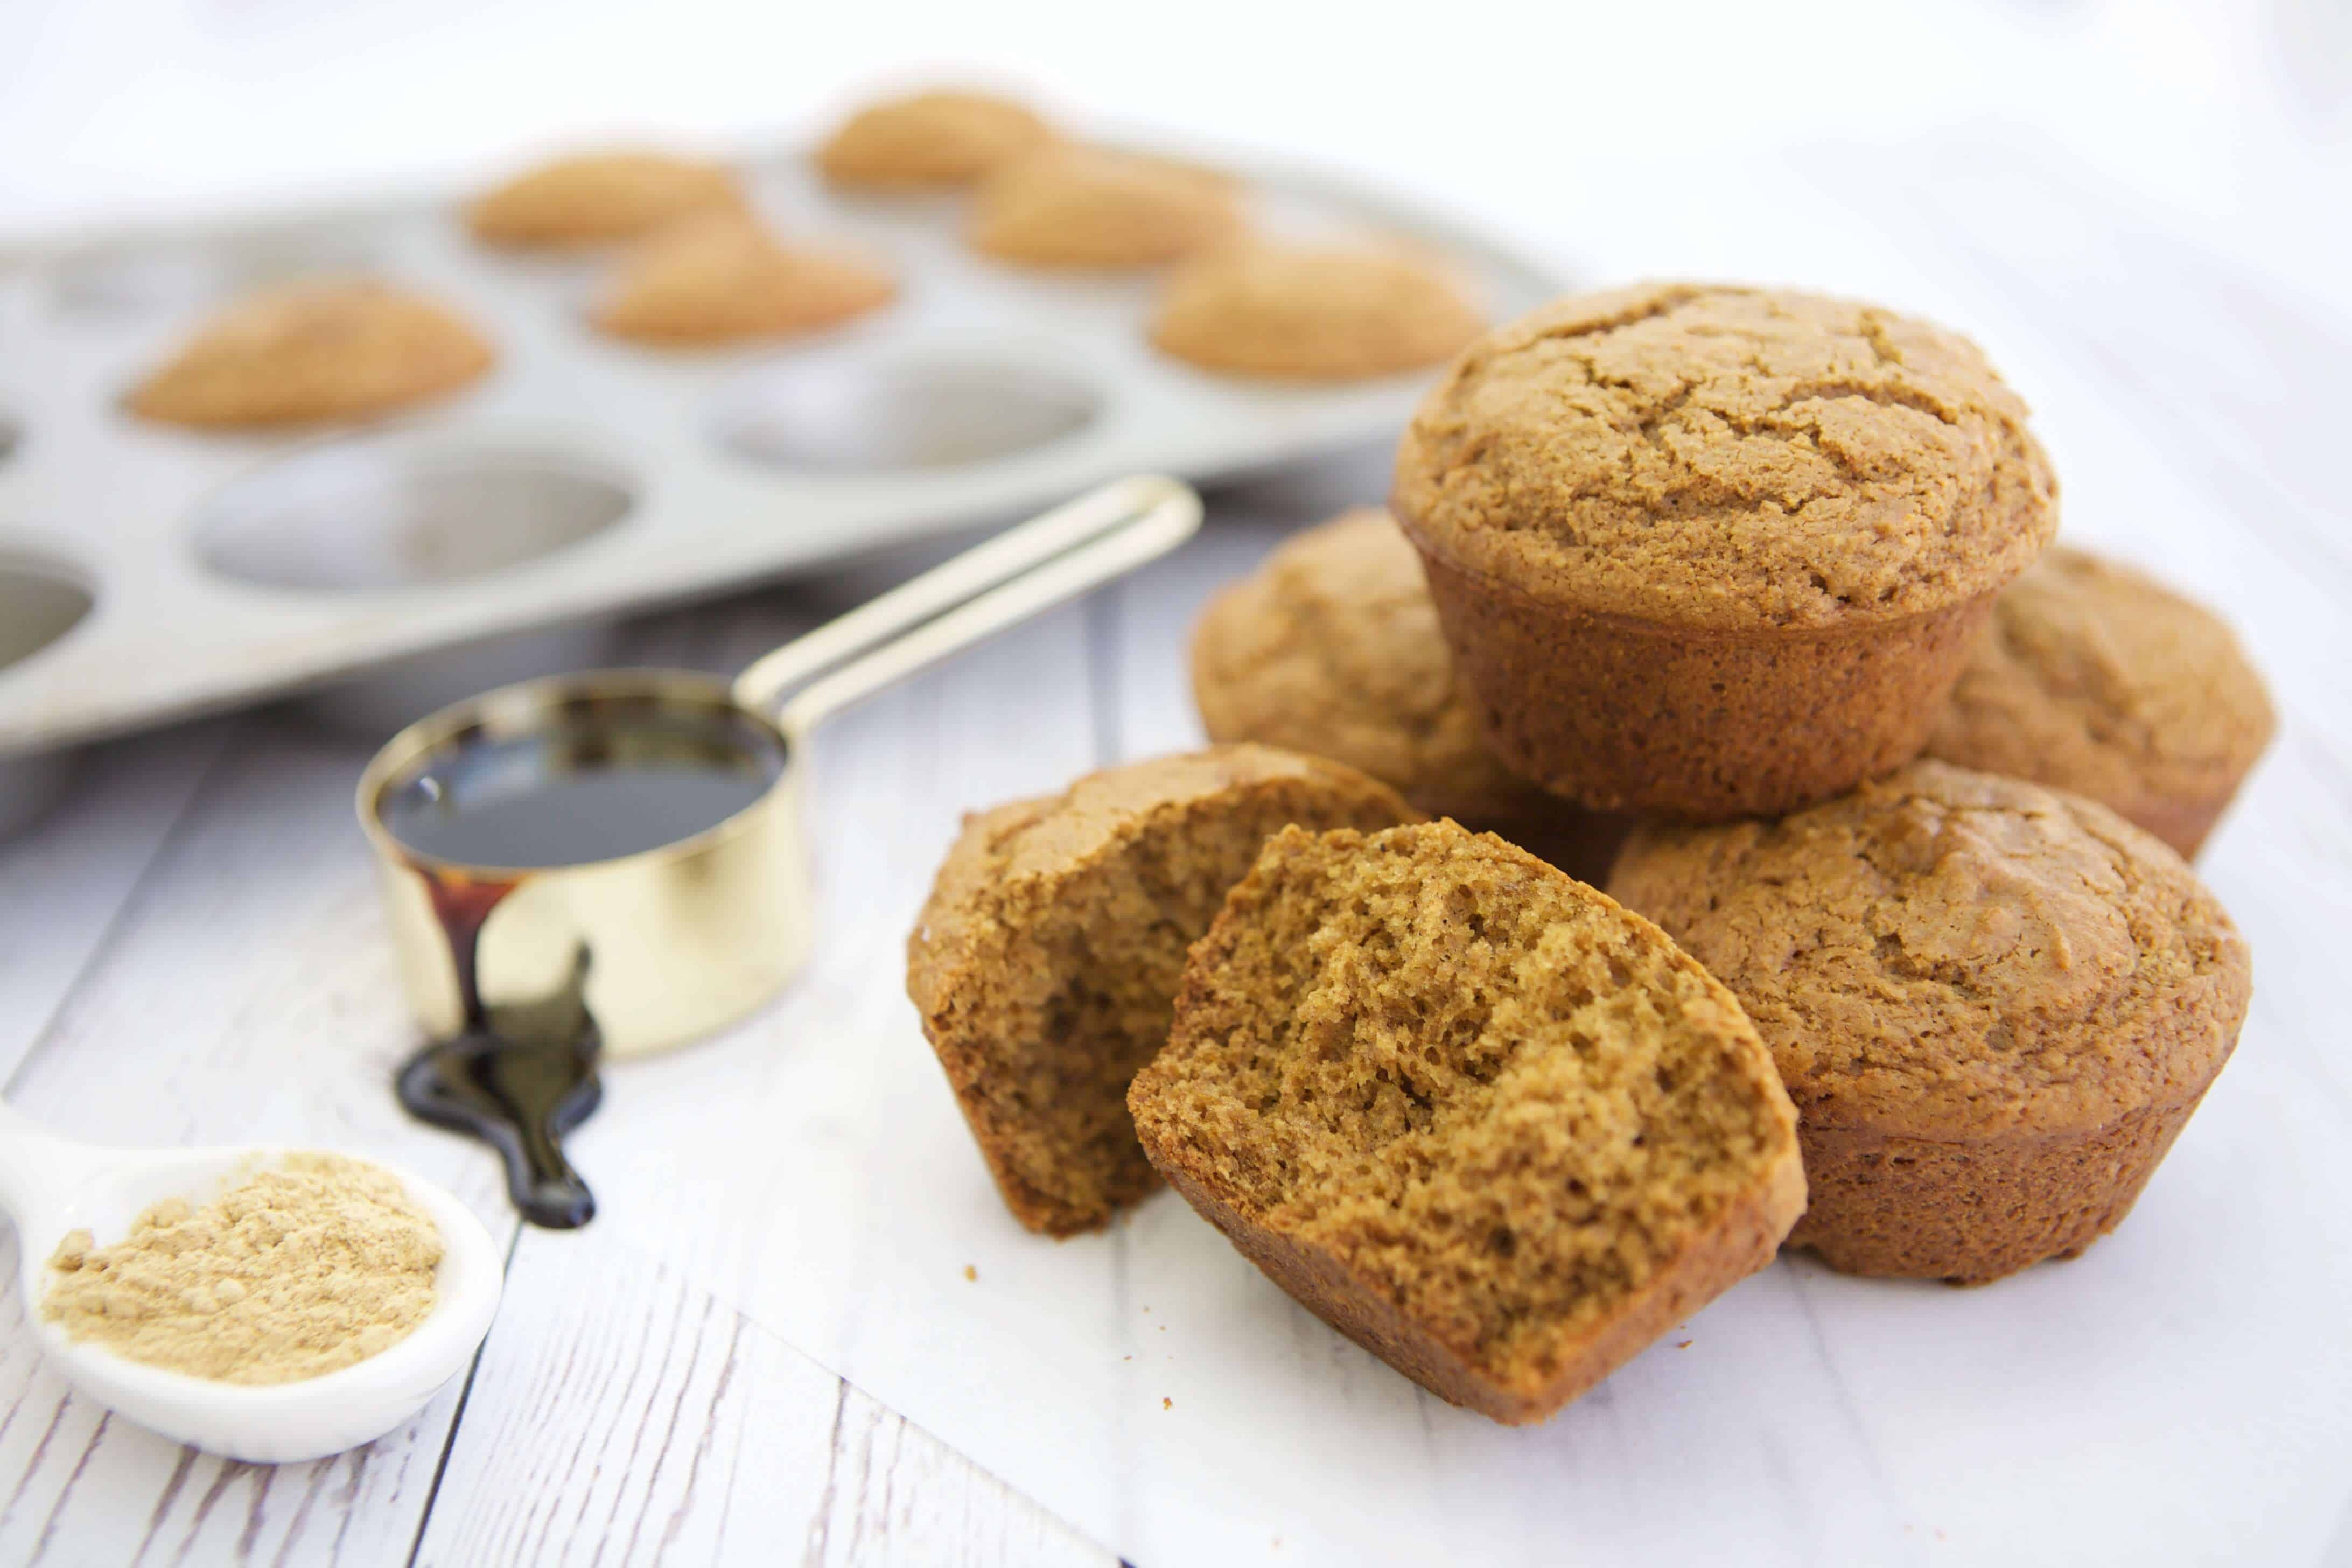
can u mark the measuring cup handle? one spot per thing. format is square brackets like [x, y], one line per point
[1017, 575]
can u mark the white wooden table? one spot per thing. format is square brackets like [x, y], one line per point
[190, 950]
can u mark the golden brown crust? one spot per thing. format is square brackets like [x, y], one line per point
[313, 352]
[1728, 458]
[1491, 1126]
[1332, 648]
[1088, 208]
[1046, 959]
[1621, 715]
[723, 279]
[592, 197]
[928, 141]
[1312, 312]
[2096, 679]
[1742, 1241]
[1993, 1003]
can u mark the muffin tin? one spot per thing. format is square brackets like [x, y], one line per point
[148, 572]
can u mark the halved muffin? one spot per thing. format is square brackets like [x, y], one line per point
[1045, 962]
[1491, 1126]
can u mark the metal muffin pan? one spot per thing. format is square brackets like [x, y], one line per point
[584, 478]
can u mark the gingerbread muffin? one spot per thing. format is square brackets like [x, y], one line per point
[1995, 1005]
[1486, 1124]
[1715, 551]
[722, 279]
[1332, 648]
[1312, 312]
[595, 197]
[2097, 678]
[930, 141]
[1087, 208]
[1045, 962]
[310, 353]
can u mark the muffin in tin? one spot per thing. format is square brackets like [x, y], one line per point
[1995, 1005]
[723, 277]
[2097, 678]
[934, 139]
[317, 352]
[591, 198]
[1711, 551]
[1312, 312]
[1078, 208]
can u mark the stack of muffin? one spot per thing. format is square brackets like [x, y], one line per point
[1736, 602]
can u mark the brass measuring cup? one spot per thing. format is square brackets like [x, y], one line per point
[664, 940]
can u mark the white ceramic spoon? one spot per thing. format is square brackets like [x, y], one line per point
[50, 1185]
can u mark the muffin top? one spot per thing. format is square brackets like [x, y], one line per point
[1073, 206]
[1728, 458]
[1332, 646]
[1947, 954]
[1312, 312]
[593, 197]
[721, 276]
[940, 138]
[334, 349]
[2097, 678]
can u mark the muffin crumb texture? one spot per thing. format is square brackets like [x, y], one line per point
[313, 352]
[1994, 1005]
[1491, 1126]
[2095, 678]
[1727, 458]
[1312, 313]
[1046, 962]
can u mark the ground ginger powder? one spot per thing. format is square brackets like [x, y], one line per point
[313, 1265]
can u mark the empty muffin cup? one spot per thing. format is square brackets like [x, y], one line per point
[387, 512]
[852, 413]
[39, 603]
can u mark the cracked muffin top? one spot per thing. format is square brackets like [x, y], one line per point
[1945, 954]
[1728, 459]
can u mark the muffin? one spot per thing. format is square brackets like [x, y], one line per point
[1332, 648]
[1483, 1121]
[1046, 960]
[1717, 551]
[1312, 313]
[721, 278]
[930, 141]
[598, 196]
[2095, 679]
[311, 353]
[1085, 207]
[1995, 1005]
